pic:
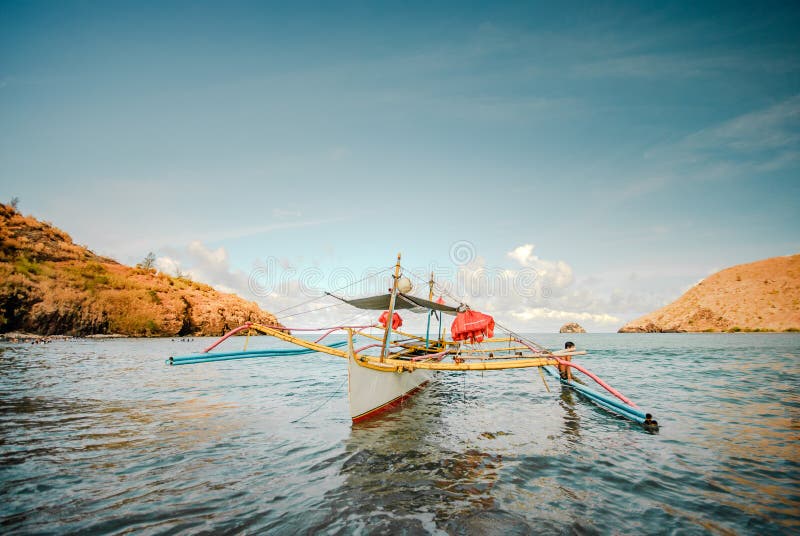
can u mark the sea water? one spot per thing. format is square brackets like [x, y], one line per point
[100, 436]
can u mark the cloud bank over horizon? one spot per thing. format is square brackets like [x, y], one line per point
[531, 294]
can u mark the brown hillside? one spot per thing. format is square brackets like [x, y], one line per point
[49, 285]
[760, 296]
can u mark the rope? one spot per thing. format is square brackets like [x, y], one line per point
[312, 310]
[298, 305]
[335, 392]
[441, 290]
[436, 286]
[335, 290]
[351, 320]
[445, 292]
[520, 337]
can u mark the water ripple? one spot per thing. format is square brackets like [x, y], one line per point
[100, 436]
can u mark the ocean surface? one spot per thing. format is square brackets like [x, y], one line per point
[101, 437]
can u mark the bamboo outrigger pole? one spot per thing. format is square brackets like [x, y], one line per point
[430, 312]
[391, 309]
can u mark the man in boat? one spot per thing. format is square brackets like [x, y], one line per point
[566, 371]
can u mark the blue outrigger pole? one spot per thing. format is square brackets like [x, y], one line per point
[227, 356]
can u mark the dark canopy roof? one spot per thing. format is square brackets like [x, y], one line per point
[403, 301]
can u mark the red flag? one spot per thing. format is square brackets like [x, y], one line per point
[396, 320]
[472, 326]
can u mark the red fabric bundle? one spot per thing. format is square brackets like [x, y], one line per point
[396, 320]
[472, 326]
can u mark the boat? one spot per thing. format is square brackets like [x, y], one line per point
[394, 364]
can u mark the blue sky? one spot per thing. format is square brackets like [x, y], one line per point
[621, 152]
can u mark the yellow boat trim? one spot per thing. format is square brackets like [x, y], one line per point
[500, 349]
[282, 335]
[435, 342]
[399, 365]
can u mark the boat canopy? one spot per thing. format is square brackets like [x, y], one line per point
[403, 301]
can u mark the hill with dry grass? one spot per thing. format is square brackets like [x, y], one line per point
[760, 296]
[50, 285]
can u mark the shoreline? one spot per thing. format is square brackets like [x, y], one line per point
[24, 337]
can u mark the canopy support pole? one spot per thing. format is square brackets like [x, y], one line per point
[430, 312]
[387, 334]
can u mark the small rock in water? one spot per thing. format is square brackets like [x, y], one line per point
[571, 327]
[493, 435]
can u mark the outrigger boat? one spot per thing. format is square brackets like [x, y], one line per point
[394, 364]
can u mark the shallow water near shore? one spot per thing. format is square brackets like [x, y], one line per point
[100, 436]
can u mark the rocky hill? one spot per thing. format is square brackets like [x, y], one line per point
[572, 327]
[49, 286]
[760, 296]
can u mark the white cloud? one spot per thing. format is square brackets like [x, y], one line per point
[216, 257]
[752, 143]
[747, 146]
[284, 221]
[540, 313]
[599, 302]
[211, 267]
[287, 288]
[536, 295]
[674, 66]
[552, 273]
[167, 265]
[641, 186]
[773, 128]
[285, 213]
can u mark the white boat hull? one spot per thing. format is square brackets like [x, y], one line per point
[374, 391]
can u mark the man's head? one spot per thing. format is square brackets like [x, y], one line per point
[569, 345]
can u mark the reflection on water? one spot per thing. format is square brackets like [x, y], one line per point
[572, 425]
[100, 436]
[397, 476]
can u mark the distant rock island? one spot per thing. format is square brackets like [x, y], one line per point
[760, 296]
[51, 286]
[571, 327]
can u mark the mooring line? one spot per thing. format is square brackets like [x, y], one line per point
[335, 392]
